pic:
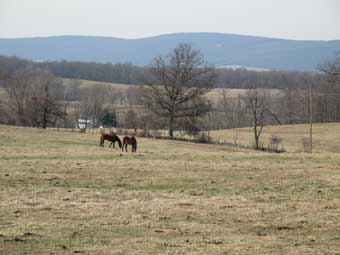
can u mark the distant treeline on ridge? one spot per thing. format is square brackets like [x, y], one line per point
[127, 73]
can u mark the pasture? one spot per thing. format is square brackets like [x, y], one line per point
[63, 194]
[122, 89]
[326, 136]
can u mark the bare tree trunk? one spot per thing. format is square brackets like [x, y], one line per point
[171, 125]
[65, 116]
[21, 115]
[257, 103]
[255, 132]
[44, 119]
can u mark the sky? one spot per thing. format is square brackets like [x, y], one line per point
[290, 19]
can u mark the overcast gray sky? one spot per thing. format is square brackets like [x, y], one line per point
[293, 19]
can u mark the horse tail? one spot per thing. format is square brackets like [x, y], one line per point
[119, 142]
[101, 143]
[135, 144]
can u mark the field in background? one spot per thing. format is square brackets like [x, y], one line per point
[62, 194]
[214, 94]
[326, 136]
[87, 83]
[118, 98]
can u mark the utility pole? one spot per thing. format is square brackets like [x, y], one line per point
[209, 125]
[310, 118]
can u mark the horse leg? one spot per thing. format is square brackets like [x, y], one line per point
[126, 147]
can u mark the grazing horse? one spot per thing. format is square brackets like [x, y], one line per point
[113, 138]
[129, 140]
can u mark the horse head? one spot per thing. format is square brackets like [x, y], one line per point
[119, 141]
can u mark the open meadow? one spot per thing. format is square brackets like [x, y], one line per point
[60, 193]
[326, 136]
[122, 89]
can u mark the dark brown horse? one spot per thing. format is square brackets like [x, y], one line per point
[129, 141]
[113, 138]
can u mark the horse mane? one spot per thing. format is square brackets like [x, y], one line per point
[110, 137]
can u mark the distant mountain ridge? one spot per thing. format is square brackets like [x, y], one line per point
[218, 49]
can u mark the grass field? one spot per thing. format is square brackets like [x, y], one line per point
[214, 95]
[326, 137]
[87, 83]
[62, 194]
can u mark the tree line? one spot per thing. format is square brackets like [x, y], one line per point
[173, 96]
[128, 73]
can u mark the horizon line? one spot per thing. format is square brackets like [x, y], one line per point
[165, 34]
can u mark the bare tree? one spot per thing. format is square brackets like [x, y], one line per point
[33, 97]
[20, 89]
[45, 108]
[329, 91]
[85, 105]
[92, 101]
[332, 69]
[131, 120]
[231, 108]
[177, 83]
[256, 102]
[97, 98]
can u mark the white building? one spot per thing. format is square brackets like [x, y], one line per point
[81, 123]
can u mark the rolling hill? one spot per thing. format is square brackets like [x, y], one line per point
[218, 49]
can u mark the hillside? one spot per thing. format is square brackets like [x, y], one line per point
[122, 89]
[218, 49]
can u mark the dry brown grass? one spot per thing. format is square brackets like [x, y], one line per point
[326, 137]
[214, 95]
[62, 194]
[87, 83]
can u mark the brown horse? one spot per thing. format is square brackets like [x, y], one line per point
[113, 138]
[129, 141]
